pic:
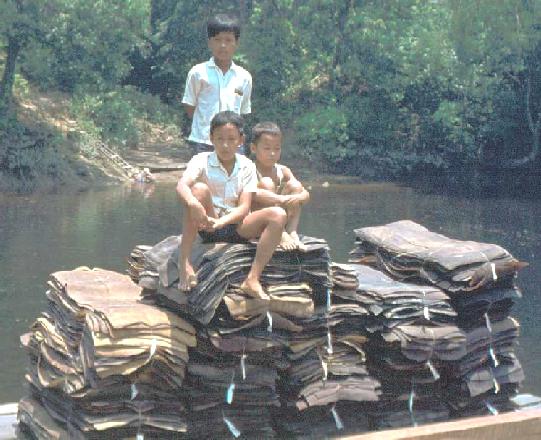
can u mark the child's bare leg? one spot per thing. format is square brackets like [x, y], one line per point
[187, 277]
[293, 214]
[186, 274]
[286, 242]
[268, 224]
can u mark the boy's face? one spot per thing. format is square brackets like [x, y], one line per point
[226, 140]
[223, 46]
[268, 149]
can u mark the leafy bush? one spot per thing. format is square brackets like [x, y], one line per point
[117, 116]
[29, 153]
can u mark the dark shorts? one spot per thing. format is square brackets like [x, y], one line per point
[227, 234]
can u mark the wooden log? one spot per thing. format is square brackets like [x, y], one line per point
[521, 425]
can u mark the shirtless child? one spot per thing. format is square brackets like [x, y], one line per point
[216, 190]
[277, 185]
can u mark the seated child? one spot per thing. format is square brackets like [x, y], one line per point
[216, 191]
[277, 185]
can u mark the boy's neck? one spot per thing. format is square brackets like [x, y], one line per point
[229, 166]
[224, 65]
[265, 170]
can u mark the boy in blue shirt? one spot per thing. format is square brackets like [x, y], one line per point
[216, 190]
[218, 84]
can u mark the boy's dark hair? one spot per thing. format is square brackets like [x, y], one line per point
[223, 23]
[262, 128]
[227, 117]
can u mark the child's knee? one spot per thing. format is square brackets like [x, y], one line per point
[293, 188]
[277, 216]
[201, 191]
[267, 183]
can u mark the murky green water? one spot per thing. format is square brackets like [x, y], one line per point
[45, 233]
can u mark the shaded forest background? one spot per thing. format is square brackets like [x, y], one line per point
[375, 88]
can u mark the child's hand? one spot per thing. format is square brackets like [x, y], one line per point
[214, 224]
[291, 201]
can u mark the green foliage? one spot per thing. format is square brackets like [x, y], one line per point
[29, 153]
[115, 116]
[391, 87]
[324, 135]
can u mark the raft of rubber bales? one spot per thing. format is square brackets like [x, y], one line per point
[415, 329]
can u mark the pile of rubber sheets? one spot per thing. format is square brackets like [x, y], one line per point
[411, 336]
[479, 371]
[104, 363]
[258, 361]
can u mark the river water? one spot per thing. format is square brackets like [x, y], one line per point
[40, 234]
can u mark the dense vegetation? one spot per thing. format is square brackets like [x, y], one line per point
[370, 87]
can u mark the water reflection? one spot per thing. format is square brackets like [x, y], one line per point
[43, 234]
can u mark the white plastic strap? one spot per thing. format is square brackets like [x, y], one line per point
[140, 436]
[269, 318]
[494, 275]
[230, 393]
[337, 419]
[153, 346]
[426, 312]
[493, 356]
[325, 369]
[491, 408]
[232, 428]
[329, 299]
[329, 342]
[433, 370]
[410, 406]
[496, 386]
[134, 391]
[487, 320]
[243, 365]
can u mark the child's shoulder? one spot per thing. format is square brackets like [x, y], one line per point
[199, 66]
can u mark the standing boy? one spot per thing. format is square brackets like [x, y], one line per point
[216, 191]
[277, 185]
[218, 84]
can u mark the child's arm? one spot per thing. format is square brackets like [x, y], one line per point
[299, 197]
[269, 198]
[198, 213]
[191, 92]
[237, 214]
[189, 110]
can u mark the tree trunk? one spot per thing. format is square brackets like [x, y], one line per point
[535, 128]
[8, 78]
[341, 21]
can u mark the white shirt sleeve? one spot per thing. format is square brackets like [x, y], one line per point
[246, 105]
[249, 178]
[191, 91]
[196, 167]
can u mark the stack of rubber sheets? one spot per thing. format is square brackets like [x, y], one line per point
[136, 261]
[490, 374]
[392, 302]
[327, 374]
[231, 393]
[323, 422]
[409, 251]
[480, 373]
[103, 362]
[221, 266]
[411, 334]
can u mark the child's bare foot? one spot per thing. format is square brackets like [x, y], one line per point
[187, 279]
[298, 243]
[287, 243]
[253, 289]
